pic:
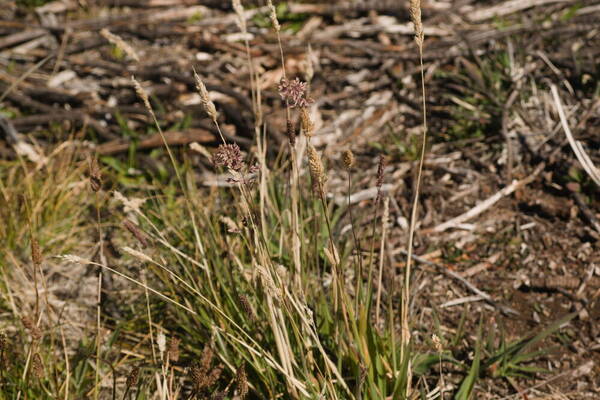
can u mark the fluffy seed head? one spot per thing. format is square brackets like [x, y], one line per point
[273, 16]
[414, 10]
[141, 93]
[207, 103]
[161, 341]
[239, 12]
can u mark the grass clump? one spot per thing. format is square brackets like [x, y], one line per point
[252, 291]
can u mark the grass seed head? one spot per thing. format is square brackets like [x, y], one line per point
[207, 103]
[37, 367]
[291, 132]
[317, 171]
[173, 350]
[120, 43]
[95, 175]
[141, 94]
[135, 231]
[415, 16]
[273, 16]
[246, 307]
[34, 331]
[348, 159]
[161, 341]
[239, 12]
[308, 127]
[241, 381]
[206, 358]
[230, 156]
[437, 343]
[294, 92]
[380, 171]
[36, 254]
[133, 377]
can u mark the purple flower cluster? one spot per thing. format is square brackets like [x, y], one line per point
[294, 92]
[230, 156]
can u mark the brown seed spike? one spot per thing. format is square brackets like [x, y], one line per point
[241, 381]
[132, 378]
[135, 231]
[316, 169]
[37, 367]
[34, 331]
[95, 175]
[247, 307]
[36, 254]
[380, 171]
[173, 350]
[348, 159]
[291, 133]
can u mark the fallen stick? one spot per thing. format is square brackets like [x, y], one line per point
[484, 296]
[174, 138]
[487, 203]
